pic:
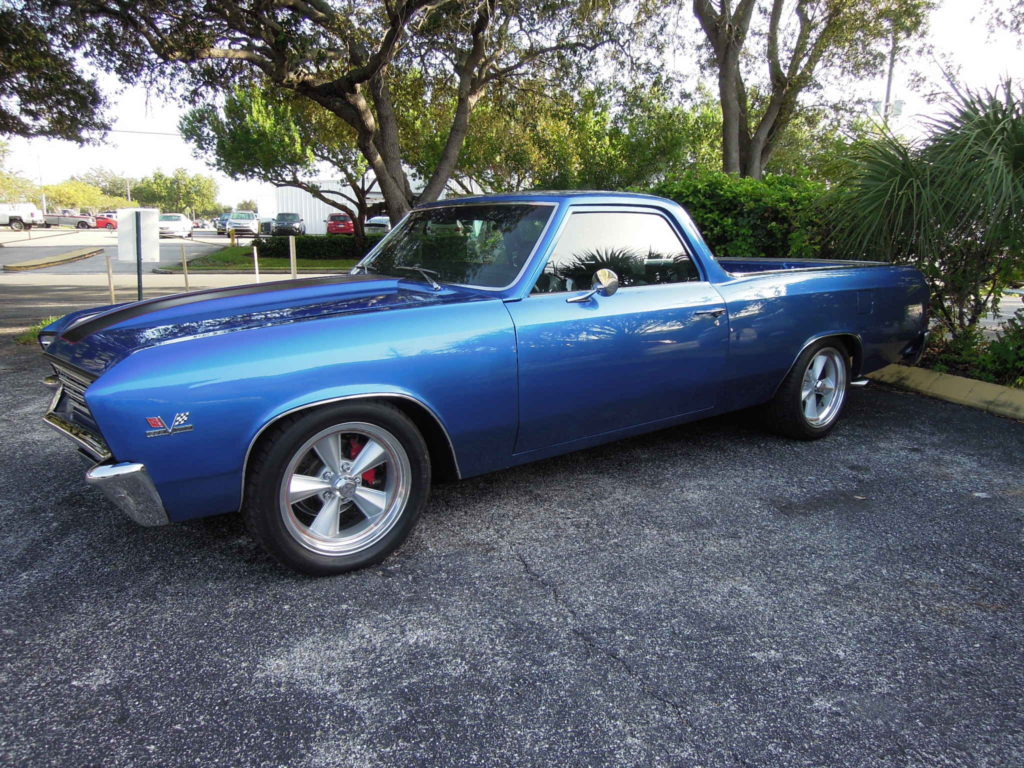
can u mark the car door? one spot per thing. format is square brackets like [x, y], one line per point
[654, 350]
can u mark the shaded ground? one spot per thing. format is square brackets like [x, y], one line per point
[705, 596]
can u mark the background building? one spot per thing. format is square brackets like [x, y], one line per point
[313, 211]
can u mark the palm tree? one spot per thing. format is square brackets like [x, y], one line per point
[952, 204]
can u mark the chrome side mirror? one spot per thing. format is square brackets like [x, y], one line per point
[605, 283]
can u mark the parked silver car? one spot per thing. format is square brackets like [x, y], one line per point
[243, 223]
[378, 225]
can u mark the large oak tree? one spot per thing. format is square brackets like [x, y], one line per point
[342, 55]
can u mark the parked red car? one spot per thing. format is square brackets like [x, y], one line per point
[106, 221]
[340, 224]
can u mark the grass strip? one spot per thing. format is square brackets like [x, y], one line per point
[239, 257]
[31, 336]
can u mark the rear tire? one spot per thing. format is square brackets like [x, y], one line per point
[810, 400]
[316, 507]
[17, 225]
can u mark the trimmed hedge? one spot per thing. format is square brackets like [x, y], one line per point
[317, 246]
[777, 217]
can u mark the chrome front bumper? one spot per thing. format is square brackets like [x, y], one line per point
[131, 489]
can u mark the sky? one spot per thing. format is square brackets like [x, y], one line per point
[145, 138]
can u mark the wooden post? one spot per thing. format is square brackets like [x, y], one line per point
[184, 267]
[291, 255]
[110, 279]
[256, 262]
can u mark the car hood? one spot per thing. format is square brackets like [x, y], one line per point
[94, 340]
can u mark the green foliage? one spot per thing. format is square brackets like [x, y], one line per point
[14, 188]
[179, 192]
[777, 217]
[31, 336]
[247, 205]
[316, 246]
[42, 93]
[605, 137]
[109, 182]
[999, 360]
[80, 196]
[255, 136]
[952, 205]
[817, 140]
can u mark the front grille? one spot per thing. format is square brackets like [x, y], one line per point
[70, 414]
[74, 386]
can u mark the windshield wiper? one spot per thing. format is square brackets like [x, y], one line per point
[426, 273]
[365, 267]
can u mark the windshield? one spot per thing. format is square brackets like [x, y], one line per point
[287, 217]
[483, 245]
[169, 217]
[240, 216]
[338, 217]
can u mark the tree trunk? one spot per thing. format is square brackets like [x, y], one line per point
[729, 97]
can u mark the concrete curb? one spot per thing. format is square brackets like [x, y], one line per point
[1002, 401]
[52, 261]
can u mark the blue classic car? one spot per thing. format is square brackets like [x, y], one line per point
[479, 334]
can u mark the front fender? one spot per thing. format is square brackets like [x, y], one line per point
[457, 360]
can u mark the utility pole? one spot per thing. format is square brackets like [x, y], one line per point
[886, 106]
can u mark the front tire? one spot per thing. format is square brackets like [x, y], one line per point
[808, 404]
[337, 488]
[17, 225]
[81, 225]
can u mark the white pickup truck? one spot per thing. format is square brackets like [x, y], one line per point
[20, 216]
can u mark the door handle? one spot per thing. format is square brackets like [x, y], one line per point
[709, 313]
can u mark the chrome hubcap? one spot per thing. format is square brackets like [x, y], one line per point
[823, 388]
[345, 488]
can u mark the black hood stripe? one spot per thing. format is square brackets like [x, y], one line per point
[139, 309]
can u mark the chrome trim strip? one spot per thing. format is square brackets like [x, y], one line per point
[365, 396]
[132, 490]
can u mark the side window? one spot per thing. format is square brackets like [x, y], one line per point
[641, 248]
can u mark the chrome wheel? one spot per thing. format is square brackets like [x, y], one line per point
[823, 387]
[345, 488]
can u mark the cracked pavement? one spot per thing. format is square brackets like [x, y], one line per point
[704, 596]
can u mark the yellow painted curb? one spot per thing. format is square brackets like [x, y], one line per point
[52, 261]
[1002, 401]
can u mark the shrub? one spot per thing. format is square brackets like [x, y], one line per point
[969, 353]
[317, 246]
[777, 217]
[1005, 355]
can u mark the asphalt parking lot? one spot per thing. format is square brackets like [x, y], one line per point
[703, 596]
